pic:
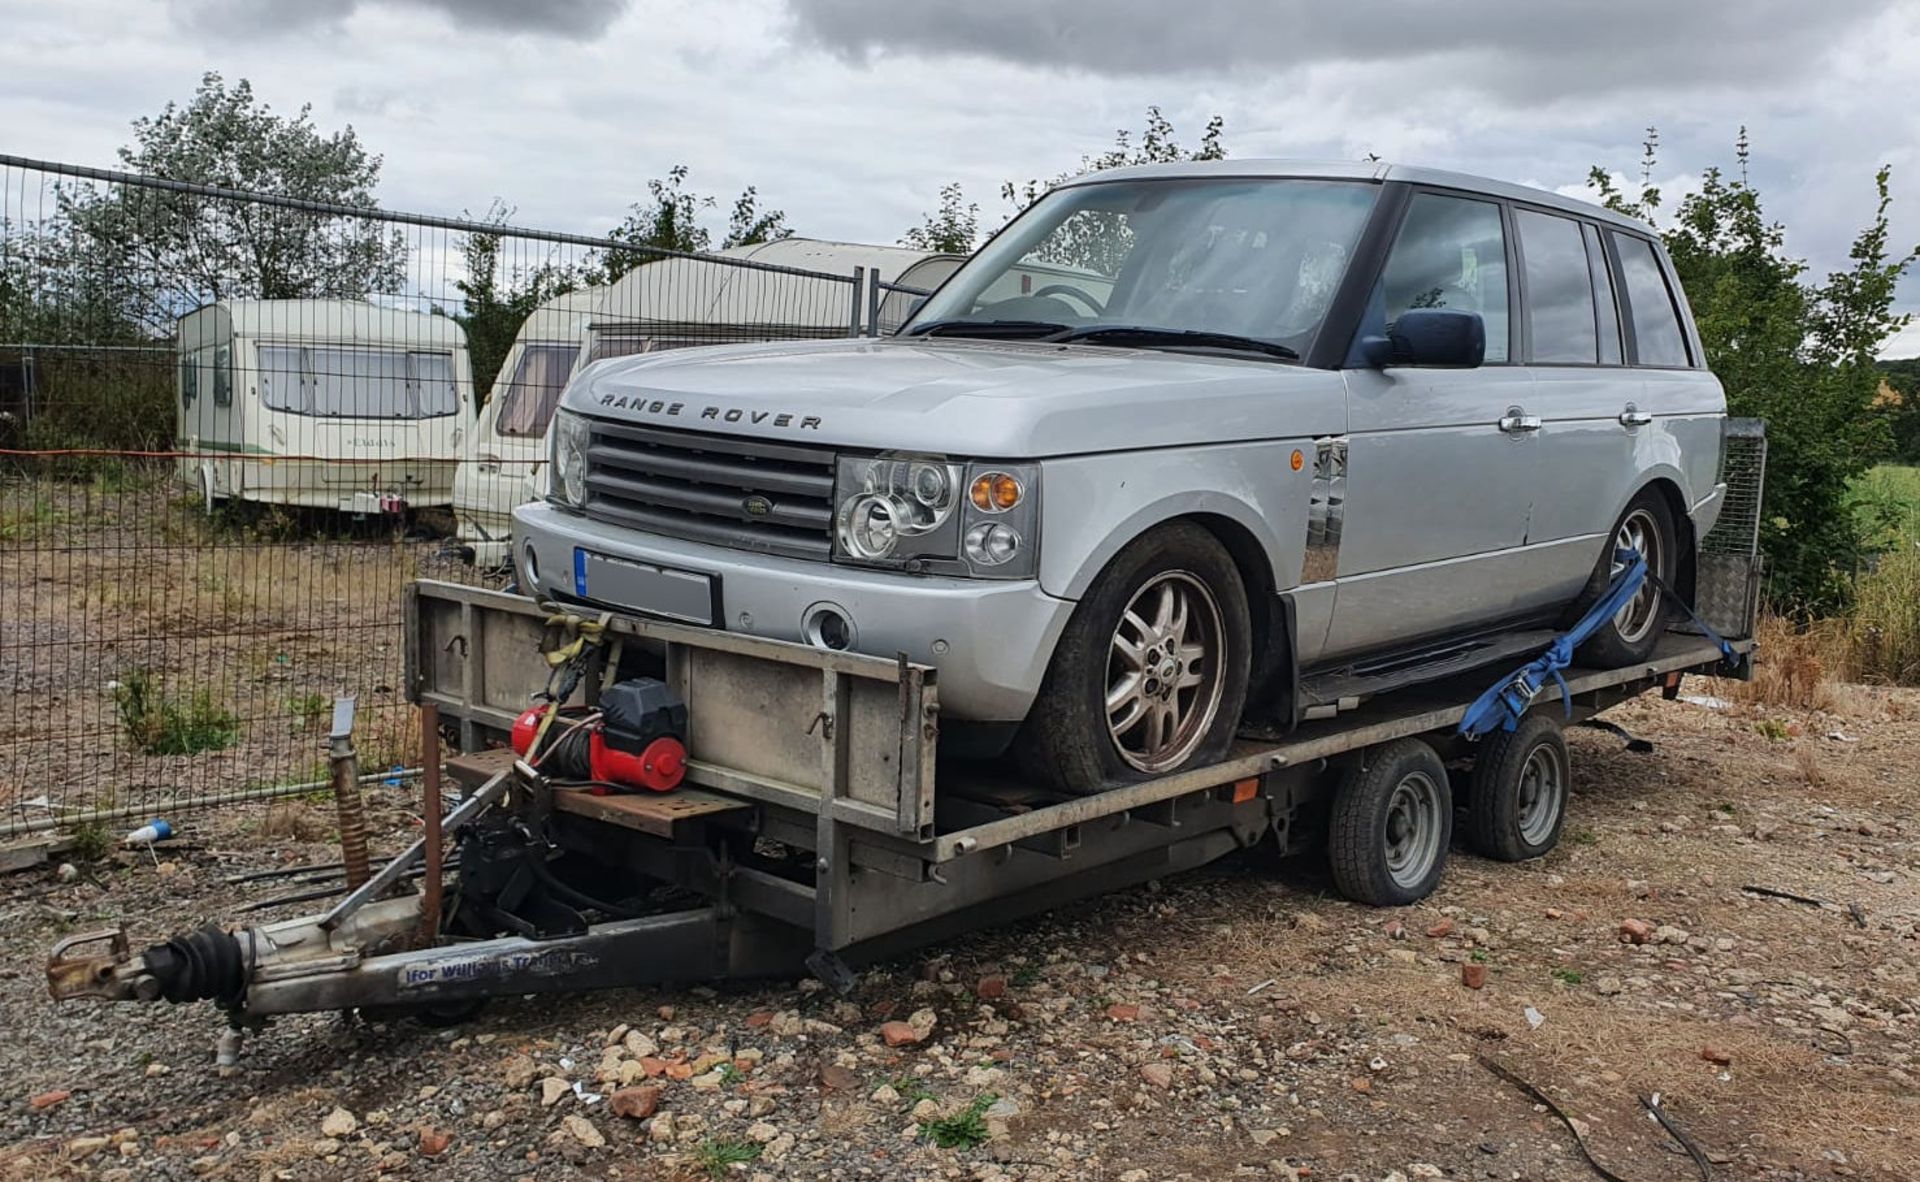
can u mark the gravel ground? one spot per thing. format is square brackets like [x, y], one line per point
[1238, 1021]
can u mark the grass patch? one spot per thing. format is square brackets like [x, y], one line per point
[717, 1155]
[310, 709]
[911, 1090]
[161, 724]
[1581, 835]
[91, 842]
[1569, 976]
[964, 1129]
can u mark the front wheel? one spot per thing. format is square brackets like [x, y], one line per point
[1151, 673]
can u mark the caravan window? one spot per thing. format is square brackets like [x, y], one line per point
[528, 397]
[344, 382]
[189, 379]
[223, 376]
[626, 344]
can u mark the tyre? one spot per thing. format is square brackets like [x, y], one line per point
[1521, 780]
[1391, 826]
[1151, 673]
[1630, 636]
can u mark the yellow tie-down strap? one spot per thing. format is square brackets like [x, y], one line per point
[570, 639]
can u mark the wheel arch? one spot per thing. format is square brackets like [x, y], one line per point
[1273, 668]
[1273, 673]
[1676, 501]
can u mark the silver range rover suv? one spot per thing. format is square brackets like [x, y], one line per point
[1183, 449]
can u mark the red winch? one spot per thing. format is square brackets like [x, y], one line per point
[635, 738]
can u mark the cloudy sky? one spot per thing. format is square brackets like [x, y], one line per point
[850, 114]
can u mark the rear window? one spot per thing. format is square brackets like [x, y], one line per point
[1656, 321]
[1559, 290]
[330, 381]
[527, 398]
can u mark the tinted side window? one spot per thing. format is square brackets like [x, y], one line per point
[1451, 253]
[1656, 324]
[1559, 289]
[1609, 312]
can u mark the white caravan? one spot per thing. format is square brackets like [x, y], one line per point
[675, 303]
[327, 404]
[508, 440]
[669, 304]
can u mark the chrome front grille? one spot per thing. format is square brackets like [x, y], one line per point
[775, 498]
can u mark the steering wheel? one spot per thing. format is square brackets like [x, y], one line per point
[1071, 292]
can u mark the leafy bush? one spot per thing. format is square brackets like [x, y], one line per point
[160, 724]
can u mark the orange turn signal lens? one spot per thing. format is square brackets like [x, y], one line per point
[995, 492]
[1299, 459]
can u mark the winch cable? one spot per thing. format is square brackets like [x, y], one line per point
[1507, 700]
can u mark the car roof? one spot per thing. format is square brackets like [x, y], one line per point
[1362, 170]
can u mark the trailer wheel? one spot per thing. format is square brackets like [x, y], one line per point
[1392, 823]
[435, 1015]
[1519, 793]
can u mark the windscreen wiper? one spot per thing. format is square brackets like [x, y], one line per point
[1009, 329]
[1147, 335]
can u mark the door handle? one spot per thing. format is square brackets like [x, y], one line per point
[1516, 422]
[1634, 417]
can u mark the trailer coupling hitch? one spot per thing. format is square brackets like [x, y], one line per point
[206, 965]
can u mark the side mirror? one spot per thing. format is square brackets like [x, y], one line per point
[1429, 336]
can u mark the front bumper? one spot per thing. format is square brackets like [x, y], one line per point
[990, 640]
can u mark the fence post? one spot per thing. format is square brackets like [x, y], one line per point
[873, 306]
[859, 281]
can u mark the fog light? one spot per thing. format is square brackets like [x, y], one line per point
[827, 626]
[533, 569]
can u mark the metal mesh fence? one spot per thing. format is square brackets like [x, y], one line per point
[234, 425]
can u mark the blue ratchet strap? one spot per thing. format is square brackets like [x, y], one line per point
[1507, 700]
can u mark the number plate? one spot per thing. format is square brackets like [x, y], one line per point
[638, 586]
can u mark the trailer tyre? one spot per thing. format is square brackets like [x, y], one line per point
[1151, 673]
[1519, 793]
[1391, 826]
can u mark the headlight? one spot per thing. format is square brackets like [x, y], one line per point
[568, 479]
[927, 514]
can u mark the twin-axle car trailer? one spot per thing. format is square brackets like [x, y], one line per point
[817, 827]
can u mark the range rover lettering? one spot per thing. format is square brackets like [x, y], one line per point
[1184, 450]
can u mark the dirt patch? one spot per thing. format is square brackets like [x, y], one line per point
[1234, 1022]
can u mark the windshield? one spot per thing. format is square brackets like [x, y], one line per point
[528, 397]
[1245, 257]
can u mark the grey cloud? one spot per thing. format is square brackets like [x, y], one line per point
[573, 19]
[1507, 47]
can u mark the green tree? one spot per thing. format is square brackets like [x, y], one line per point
[175, 251]
[950, 230]
[500, 290]
[670, 221]
[1156, 144]
[1792, 350]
